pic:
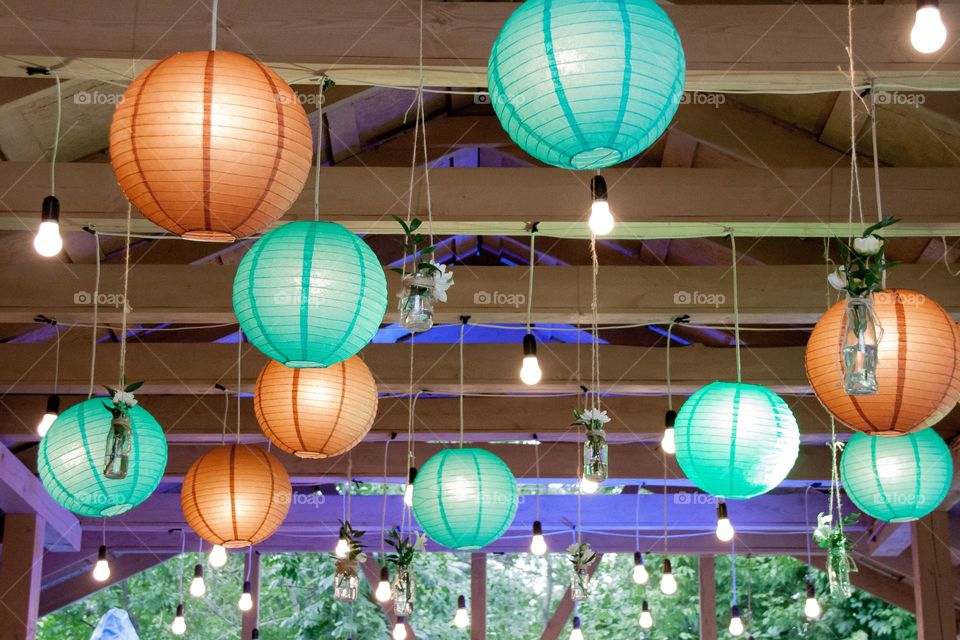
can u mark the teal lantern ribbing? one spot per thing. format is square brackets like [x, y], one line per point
[310, 294]
[897, 479]
[586, 84]
[736, 440]
[71, 460]
[464, 498]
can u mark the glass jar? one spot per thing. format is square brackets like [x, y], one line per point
[595, 456]
[580, 585]
[416, 302]
[402, 592]
[346, 583]
[860, 339]
[838, 574]
[119, 442]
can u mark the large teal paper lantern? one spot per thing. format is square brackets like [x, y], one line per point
[586, 84]
[71, 460]
[464, 498]
[310, 294]
[736, 440]
[897, 479]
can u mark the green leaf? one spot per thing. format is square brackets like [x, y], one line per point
[415, 224]
[133, 386]
[406, 229]
[886, 222]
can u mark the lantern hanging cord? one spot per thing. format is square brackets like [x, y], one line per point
[876, 169]
[733, 569]
[806, 514]
[316, 174]
[226, 412]
[96, 312]
[669, 385]
[183, 550]
[349, 491]
[126, 304]
[855, 195]
[56, 138]
[595, 334]
[383, 509]
[637, 521]
[239, 377]
[463, 326]
[56, 362]
[533, 259]
[736, 306]
[412, 406]
[213, 25]
[536, 463]
[249, 567]
[663, 455]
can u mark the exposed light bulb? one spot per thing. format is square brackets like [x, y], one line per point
[601, 219]
[246, 599]
[342, 549]
[49, 416]
[383, 591]
[588, 486]
[725, 530]
[669, 441]
[179, 625]
[811, 608]
[575, 633]
[928, 33]
[399, 630]
[646, 620]
[530, 373]
[668, 584]
[538, 545]
[218, 557]
[462, 618]
[101, 570]
[408, 492]
[197, 586]
[640, 574]
[736, 624]
[47, 242]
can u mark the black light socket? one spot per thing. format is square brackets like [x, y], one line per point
[598, 189]
[246, 586]
[645, 607]
[637, 558]
[529, 345]
[921, 4]
[180, 610]
[102, 553]
[461, 602]
[722, 511]
[537, 528]
[670, 419]
[667, 567]
[255, 634]
[735, 611]
[576, 622]
[411, 475]
[50, 210]
[384, 574]
[810, 591]
[53, 404]
[198, 571]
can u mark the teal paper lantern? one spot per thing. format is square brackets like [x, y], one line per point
[736, 440]
[897, 479]
[310, 294]
[586, 84]
[71, 460]
[464, 498]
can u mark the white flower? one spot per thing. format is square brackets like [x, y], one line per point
[442, 280]
[361, 557]
[869, 246]
[594, 415]
[124, 397]
[420, 544]
[824, 526]
[838, 279]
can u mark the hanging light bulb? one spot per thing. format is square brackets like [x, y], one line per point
[538, 544]
[725, 530]
[462, 618]
[400, 630]
[640, 575]
[928, 33]
[179, 625]
[575, 633]
[601, 219]
[101, 570]
[49, 416]
[646, 620]
[408, 492]
[811, 608]
[588, 486]
[530, 372]
[197, 586]
[383, 591]
[342, 549]
[246, 598]
[736, 624]
[668, 584]
[47, 242]
[218, 557]
[255, 635]
[669, 442]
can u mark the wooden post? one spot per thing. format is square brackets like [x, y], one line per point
[933, 582]
[708, 599]
[478, 596]
[21, 564]
[251, 619]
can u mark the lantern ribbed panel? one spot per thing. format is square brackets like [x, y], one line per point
[310, 294]
[736, 440]
[897, 479]
[236, 495]
[316, 413]
[464, 498]
[72, 456]
[210, 145]
[918, 366]
[586, 84]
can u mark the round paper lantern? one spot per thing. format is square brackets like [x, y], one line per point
[897, 479]
[585, 84]
[736, 440]
[71, 459]
[918, 365]
[310, 294]
[316, 413]
[210, 145]
[236, 495]
[464, 498]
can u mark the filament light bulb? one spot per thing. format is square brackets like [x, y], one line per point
[575, 633]
[101, 570]
[218, 557]
[538, 545]
[928, 33]
[47, 242]
[588, 486]
[197, 586]
[640, 574]
[646, 620]
[408, 492]
[49, 416]
[725, 531]
[601, 218]
[462, 618]
[179, 625]
[383, 587]
[736, 624]
[530, 373]
[668, 584]
[399, 630]
[669, 441]
[811, 608]
[246, 598]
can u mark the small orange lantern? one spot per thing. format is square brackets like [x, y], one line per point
[210, 145]
[316, 413]
[236, 495]
[918, 370]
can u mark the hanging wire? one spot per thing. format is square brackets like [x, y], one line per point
[126, 304]
[733, 569]
[96, 313]
[463, 326]
[736, 305]
[183, 550]
[669, 384]
[946, 262]
[56, 138]
[383, 511]
[806, 515]
[226, 412]
[595, 337]
[213, 26]
[56, 362]
[239, 376]
[637, 521]
[536, 449]
[349, 491]
[316, 175]
[854, 96]
[533, 259]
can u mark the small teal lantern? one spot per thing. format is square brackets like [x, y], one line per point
[586, 84]
[736, 440]
[310, 294]
[464, 498]
[71, 460]
[897, 479]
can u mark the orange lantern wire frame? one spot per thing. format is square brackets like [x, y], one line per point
[316, 413]
[236, 495]
[918, 370]
[210, 145]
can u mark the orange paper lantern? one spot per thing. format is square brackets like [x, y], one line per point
[236, 495]
[210, 145]
[918, 370]
[316, 413]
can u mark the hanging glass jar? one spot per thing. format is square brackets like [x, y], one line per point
[838, 574]
[595, 456]
[416, 301]
[119, 443]
[860, 338]
[346, 583]
[580, 584]
[402, 591]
